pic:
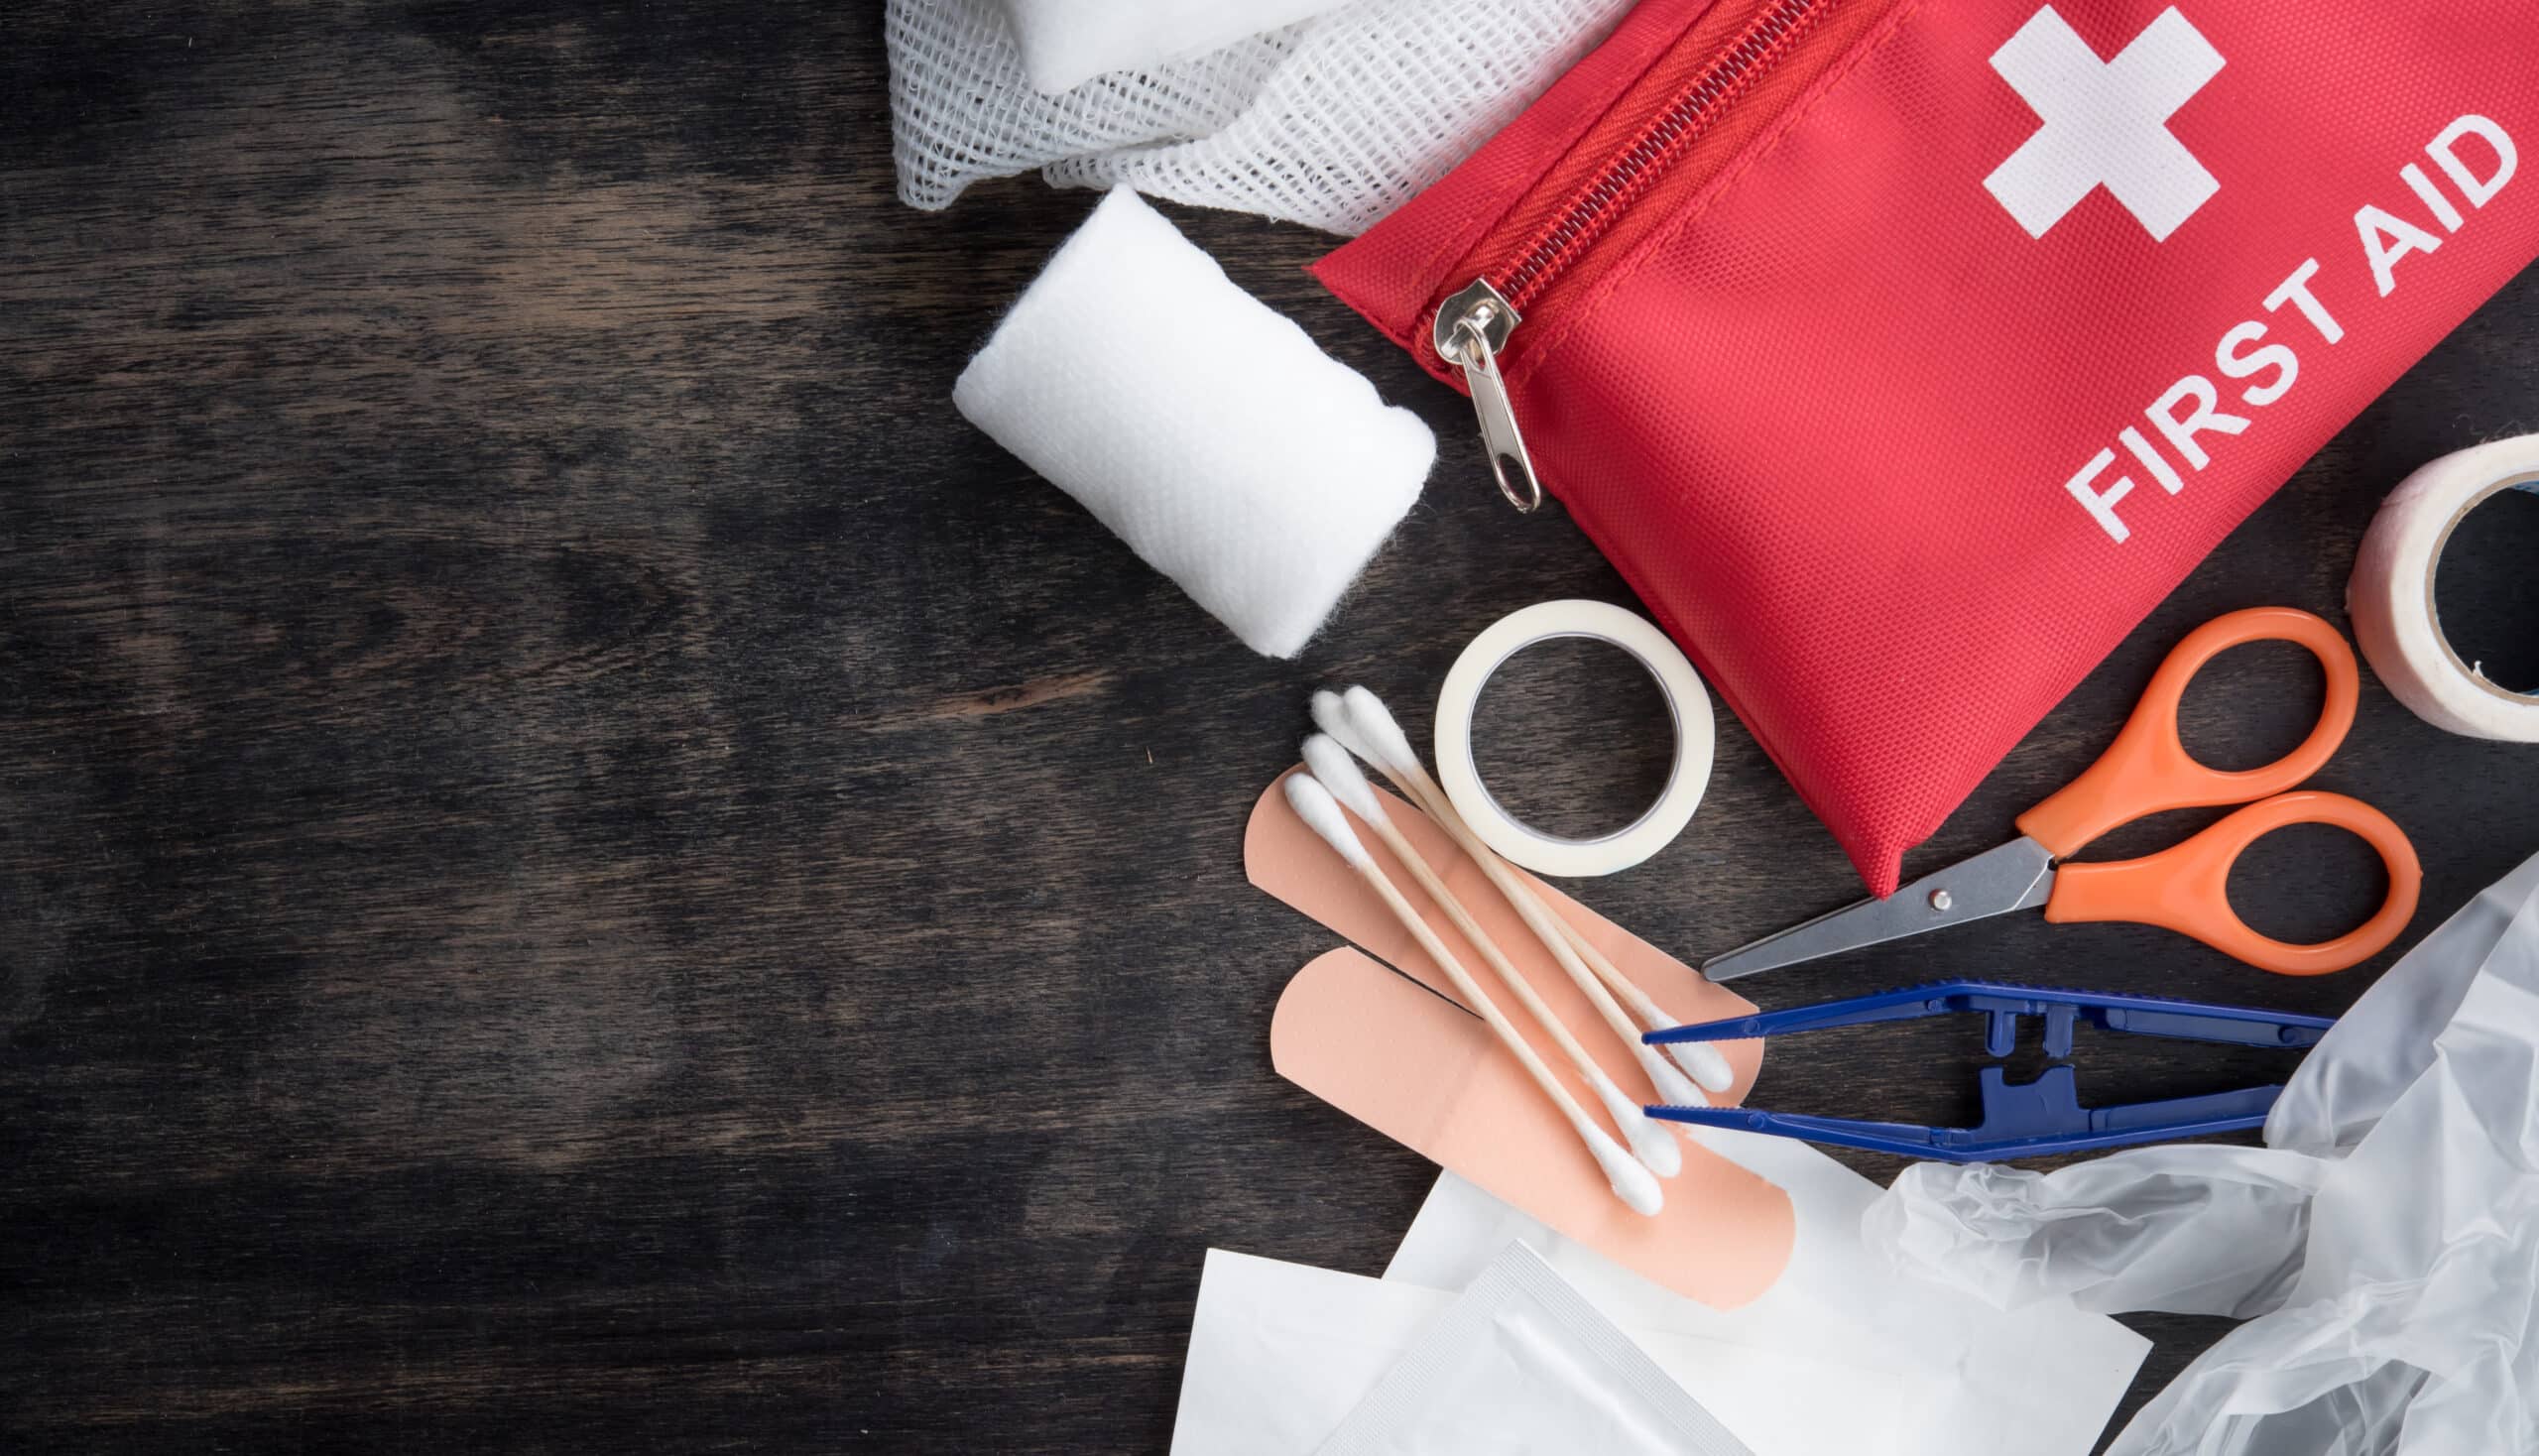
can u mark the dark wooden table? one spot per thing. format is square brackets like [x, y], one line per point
[585, 867]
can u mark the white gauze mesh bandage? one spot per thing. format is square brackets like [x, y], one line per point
[1066, 42]
[1331, 123]
[963, 110]
[1209, 432]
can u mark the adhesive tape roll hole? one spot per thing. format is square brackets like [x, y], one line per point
[1688, 704]
[1603, 707]
[2481, 582]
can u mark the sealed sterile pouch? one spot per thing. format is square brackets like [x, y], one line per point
[1902, 354]
[1521, 1362]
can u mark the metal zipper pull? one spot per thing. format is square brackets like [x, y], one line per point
[1471, 329]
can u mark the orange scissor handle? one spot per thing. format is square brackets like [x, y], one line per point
[2188, 888]
[2147, 768]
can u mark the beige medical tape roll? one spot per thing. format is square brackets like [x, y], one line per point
[1686, 699]
[2391, 597]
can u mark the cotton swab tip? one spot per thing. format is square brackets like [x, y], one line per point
[1331, 715]
[1635, 1185]
[1705, 1063]
[1314, 805]
[1375, 723]
[1653, 1145]
[1649, 1143]
[1673, 1087]
[1338, 772]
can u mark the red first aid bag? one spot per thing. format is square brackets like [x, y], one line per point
[1904, 353]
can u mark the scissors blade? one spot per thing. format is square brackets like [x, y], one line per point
[2016, 876]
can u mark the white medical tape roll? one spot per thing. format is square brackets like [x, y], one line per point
[1686, 699]
[2391, 597]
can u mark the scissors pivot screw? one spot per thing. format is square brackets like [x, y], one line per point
[1940, 900]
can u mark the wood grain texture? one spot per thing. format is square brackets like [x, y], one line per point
[585, 867]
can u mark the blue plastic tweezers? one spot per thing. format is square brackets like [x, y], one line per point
[2037, 1119]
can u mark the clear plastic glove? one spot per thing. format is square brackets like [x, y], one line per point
[2190, 1228]
[2386, 1238]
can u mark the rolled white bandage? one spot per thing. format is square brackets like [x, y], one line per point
[2391, 597]
[1209, 432]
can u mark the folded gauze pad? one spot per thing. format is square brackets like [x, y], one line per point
[1221, 445]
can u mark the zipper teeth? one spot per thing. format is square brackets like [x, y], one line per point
[1640, 165]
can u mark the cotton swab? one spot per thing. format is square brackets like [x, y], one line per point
[1331, 715]
[1393, 753]
[1634, 1184]
[1700, 1059]
[1338, 772]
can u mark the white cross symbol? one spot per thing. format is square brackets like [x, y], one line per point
[2106, 122]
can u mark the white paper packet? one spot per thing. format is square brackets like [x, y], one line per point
[1976, 1380]
[1280, 1352]
[1521, 1362]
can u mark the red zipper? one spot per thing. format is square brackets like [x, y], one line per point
[1577, 227]
[1473, 325]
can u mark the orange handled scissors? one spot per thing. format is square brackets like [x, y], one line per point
[2146, 770]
